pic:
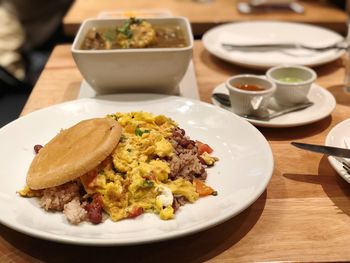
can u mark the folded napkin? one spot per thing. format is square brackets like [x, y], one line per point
[244, 38]
[347, 146]
[241, 39]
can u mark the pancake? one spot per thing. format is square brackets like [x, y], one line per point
[73, 152]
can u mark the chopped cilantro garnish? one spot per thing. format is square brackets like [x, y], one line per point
[125, 27]
[134, 20]
[122, 138]
[139, 132]
[148, 183]
[109, 35]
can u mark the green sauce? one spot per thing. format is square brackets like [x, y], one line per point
[290, 80]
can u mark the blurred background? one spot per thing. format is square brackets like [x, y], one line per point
[29, 31]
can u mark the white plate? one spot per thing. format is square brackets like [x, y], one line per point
[240, 177]
[260, 32]
[324, 104]
[336, 137]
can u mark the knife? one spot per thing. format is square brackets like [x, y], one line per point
[339, 45]
[328, 150]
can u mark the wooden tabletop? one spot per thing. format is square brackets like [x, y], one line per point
[206, 14]
[304, 214]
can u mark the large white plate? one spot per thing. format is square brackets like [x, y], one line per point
[260, 32]
[324, 104]
[240, 177]
[337, 137]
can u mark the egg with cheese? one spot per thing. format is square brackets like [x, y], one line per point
[136, 178]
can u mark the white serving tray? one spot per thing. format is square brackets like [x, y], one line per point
[187, 87]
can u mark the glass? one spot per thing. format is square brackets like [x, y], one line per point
[347, 63]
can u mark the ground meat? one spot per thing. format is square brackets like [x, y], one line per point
[55, 198]
[74, 211]
[178, 201]
[185, 163]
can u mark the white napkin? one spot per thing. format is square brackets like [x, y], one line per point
[346, 142]
[270, 39]
[347, 146]
[239, 39]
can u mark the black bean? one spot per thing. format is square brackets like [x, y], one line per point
[37, 148]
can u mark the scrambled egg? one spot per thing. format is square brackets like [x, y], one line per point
[135, 179]
[135, 33]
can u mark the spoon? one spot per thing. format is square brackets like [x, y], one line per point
[224, 99]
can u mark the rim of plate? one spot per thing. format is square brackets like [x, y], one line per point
[206, 39]
[337, 166]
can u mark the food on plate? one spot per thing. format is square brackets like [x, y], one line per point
[135, 33]
[120, 166]
[70, 154]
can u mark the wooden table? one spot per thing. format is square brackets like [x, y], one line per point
[304, 215]
[206, 14]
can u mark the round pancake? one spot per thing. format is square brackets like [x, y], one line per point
[73, 152]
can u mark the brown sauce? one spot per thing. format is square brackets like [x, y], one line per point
[249, 87]
[135, 33]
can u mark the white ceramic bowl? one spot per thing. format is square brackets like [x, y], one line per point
[290, 93]
[133, 70]
[247, 102]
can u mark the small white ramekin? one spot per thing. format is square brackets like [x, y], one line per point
[245, 102]
[291, 93]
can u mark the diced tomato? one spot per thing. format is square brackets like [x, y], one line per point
[135, 212]
[89, 178]
[203, 147]
[97, 198]
[201, 188]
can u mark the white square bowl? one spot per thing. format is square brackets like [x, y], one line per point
[136, 69]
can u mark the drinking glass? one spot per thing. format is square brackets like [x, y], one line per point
[347, 63]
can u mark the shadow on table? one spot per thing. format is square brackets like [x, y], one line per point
[341, 95]
[299, 132]
[198, 247]
[335, 187]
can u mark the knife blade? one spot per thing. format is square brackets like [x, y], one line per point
[327, 150]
